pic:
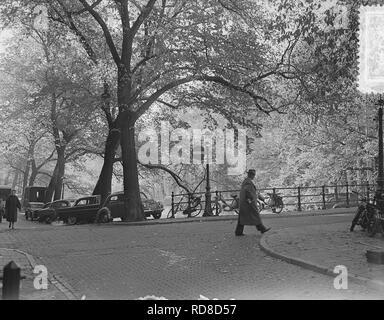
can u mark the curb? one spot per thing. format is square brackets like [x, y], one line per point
[372, 284]
[60, 284]
[230, 218]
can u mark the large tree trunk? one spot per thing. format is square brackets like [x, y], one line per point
[133, 207]
[52, 184]
[104, 183]
[15, 179]
[31, 151]
[26, 176]
[32, 178]
[34, 173]
[60, 173]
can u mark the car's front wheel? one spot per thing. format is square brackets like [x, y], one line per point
[72, 220]
[157, 215]
[103, 215]
[50, 219]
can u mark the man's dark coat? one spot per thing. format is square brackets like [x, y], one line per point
[248, 214]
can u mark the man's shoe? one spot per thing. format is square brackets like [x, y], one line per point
[260, 227]
[239, 234]
[264, 229]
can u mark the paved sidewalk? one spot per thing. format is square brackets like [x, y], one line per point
[323, 247]
[26, 263]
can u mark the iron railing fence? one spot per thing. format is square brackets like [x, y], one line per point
[294, 198]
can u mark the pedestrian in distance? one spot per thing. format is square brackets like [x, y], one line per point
[2, 209]
[11, 208]
[249, 214]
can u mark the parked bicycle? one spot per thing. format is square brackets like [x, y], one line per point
[368, 217]
[376, 224]
[191, 208]
[222, 205]
[364, 214]
[274, 201]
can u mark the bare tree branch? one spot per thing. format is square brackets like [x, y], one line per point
[140, 19]
[174, 175]
[107, 34]
[159, 93]
[71, 24]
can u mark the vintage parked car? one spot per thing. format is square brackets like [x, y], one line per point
[32, 210]
[49, 211]
[33, 199]
[90, 210]
[113, 207]
[84, 210]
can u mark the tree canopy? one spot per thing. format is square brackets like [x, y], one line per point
[89, 75]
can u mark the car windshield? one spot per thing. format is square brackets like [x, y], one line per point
[87, 201]
[116, 198]
[60, 204]
[82, 202]
[36, 205]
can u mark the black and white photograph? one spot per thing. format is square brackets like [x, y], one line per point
[202, 151]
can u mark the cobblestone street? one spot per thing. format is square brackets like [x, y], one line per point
[175, 261]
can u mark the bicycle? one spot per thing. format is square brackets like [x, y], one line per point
[365, 217]
[233, 206]
[192, 208]
[376, 224]
[273, 201]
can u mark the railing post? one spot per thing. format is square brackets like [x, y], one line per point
[336, 194]
[274, 196]
[11, 282]
[173, 205]
[323, 189]
[217, 202]
[299, 198]
[347, 194]
[367, 190]
[189, 205]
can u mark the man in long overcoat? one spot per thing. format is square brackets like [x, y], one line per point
[249, 213]
[11, 206]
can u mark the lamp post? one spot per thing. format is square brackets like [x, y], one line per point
[380, 176]
[208, 200]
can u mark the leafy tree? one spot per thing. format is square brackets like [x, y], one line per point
[250, 56]
[55, 86]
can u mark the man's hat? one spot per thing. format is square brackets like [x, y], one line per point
[251, 171]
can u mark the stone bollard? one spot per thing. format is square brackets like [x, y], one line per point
[11, 282]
